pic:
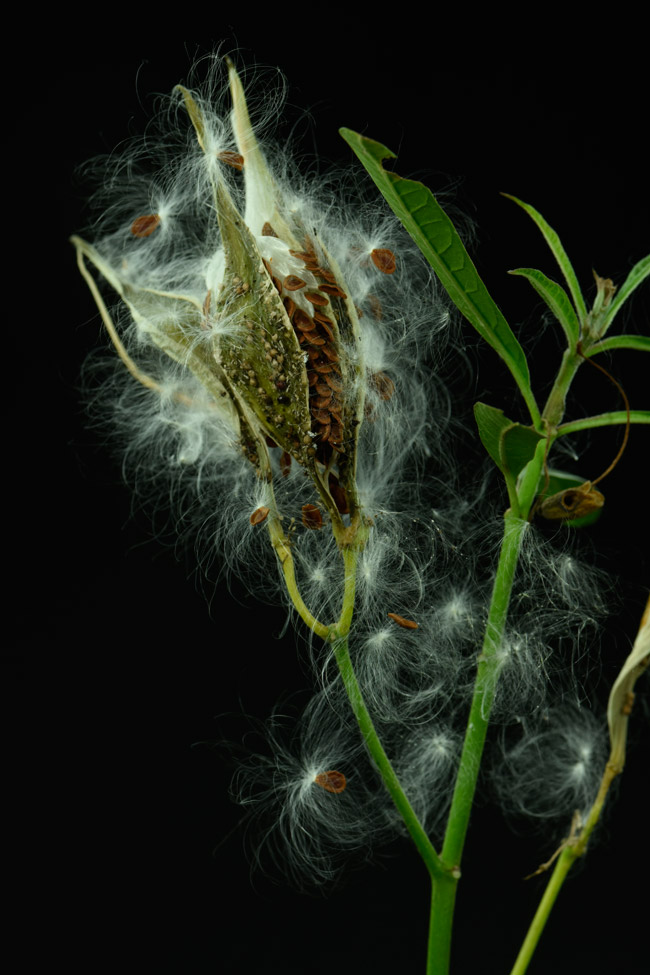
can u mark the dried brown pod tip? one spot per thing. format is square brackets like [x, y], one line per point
[401, 621]
[384, 260]
[145, 226]
[331, 781]
[572, 503]
[259, 515]
[311, 516]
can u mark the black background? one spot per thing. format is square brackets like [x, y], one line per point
[120, 664]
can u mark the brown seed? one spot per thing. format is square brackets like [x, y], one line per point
[259, 515]
[290, 306]
[322, 402]
[338, 495]
[332, 289]
[293, 283]
[331, 781]
[285, 463]
[315, 298]
[233, 159]
[383, 384]
[375, 307]
[384, 260]
[332, 381]
[401, 621]
[303, 255]
[302, 321]
[316, 339]
[268, 231]
[325, 324]
[321, 416]
[145, 226]
[325, 275]
[336, 433]
[311, 517]
[330, 353]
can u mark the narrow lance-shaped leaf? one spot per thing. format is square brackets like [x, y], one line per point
[557, 300]
[639, 342]
[437, 238]
[638, 274]
[559, 254]
[614, 418]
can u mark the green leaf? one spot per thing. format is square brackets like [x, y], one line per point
[639, 342]
[436, 236]
[518, 445]
[492, 424]
[510, 445]
[615, 418]
[559, 254]
[557, 300]
[638, 274]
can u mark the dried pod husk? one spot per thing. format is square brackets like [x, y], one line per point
[572, 503]
[258, 350]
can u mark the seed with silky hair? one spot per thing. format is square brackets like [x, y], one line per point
[331, 781]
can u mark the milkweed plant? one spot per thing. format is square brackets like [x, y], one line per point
[281, 337]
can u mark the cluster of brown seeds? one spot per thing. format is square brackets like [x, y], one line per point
[316, 333]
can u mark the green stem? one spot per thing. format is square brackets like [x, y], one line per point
[418, 835]
[572, 851]
[562, 867]
[484, 691]
[555, 404]
[443, 898]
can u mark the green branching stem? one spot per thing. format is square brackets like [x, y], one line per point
[420, 838]
[342, 653]
[484, 691]
[337, 635]
[444, 891]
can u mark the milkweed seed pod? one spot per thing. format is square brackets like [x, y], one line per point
[245, 304]
[275, 337]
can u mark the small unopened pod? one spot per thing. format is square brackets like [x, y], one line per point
[331, 781]
[259, 515]
[403, 622]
